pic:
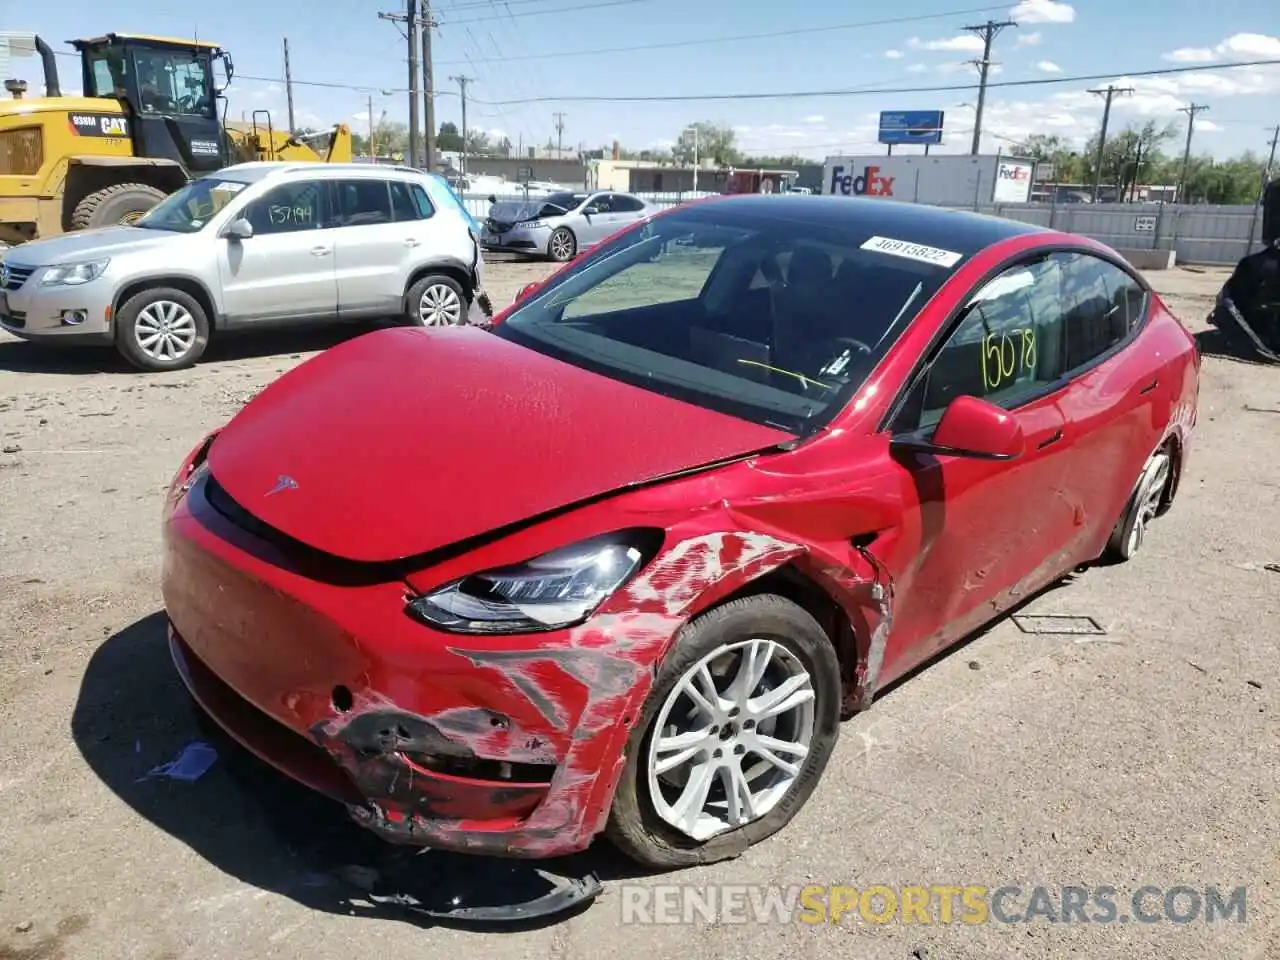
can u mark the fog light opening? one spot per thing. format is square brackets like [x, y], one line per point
[343, 700]
[73, 318]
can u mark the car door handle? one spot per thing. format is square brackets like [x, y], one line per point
[1149, 387]
[320, 251]
[1049, 441]
[410, 242]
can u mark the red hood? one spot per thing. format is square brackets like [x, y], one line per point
[407, 440]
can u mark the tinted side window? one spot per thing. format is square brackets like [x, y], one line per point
[623, 204]
[1103, 304]
[363, 203]
[421, 201]
[402, 205]
[1007, 347]
[290, 207]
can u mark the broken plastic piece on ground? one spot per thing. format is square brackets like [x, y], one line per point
[484, 890]
[191, 764]
[1057, 624]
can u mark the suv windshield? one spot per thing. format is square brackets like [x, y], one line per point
[777, 320]
[191, 208]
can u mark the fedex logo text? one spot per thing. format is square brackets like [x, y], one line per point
[868, 183]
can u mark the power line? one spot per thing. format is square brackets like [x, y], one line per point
[1109, 93]
[539, 13]
[988, 31]
[770, 35]
[863, 91]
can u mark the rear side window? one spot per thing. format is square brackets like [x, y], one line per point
[402, 205]
[624, 204]
[421, 202]
[363, 203]
[1103, 305]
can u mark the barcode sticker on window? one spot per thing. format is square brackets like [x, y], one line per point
[913, 251]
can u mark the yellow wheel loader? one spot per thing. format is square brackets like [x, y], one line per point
[147, 123]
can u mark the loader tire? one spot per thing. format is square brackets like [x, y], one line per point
[119, 203]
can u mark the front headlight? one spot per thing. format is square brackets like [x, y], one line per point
[556, 590]
[74, 273]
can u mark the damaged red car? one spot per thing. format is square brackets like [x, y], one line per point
[622, 563]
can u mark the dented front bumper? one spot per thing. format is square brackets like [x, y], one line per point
[496, 745]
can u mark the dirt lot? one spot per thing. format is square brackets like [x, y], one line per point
[1147, 756]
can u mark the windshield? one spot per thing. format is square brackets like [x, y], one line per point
[565, 201]
[191, 208]
[772, 319]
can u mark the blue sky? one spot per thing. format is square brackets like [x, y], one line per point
[520, 49]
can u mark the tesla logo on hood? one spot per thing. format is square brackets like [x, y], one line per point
[283, 483]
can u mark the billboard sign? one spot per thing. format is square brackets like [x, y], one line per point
[1013, 182]
[911, 126]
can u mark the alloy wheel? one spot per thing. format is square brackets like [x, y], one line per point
[165, 330]
[561, 245]
[731, 738]
[1150, 494]
[440, 306]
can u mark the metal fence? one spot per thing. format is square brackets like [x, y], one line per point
[1199, 234]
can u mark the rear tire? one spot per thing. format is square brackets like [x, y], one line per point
[121, 203]
[797, 654]
[437, 300]
[162, 329]
[1146, 502]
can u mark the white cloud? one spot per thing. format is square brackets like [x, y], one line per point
[893, 54]
[1239, 46]
[1191, 55]
[815, 118]
[917, 68]
[1047, 66]
[1043, 11]
[961, 43]
[1029, 39]
[1207, 126]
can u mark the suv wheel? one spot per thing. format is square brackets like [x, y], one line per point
[162, 329]
[436, 301]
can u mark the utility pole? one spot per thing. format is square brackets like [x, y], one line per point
[428, 85]
[462, 86]
[288, 86]
[410, 19]
[1109, 93]
[988, 31]
[694, 131]
[1271, 157]
[1191, 112]
[559, 133]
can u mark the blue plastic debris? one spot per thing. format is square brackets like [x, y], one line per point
[191, 764]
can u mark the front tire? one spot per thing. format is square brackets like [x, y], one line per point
[732, 740]
[436, 300]
[120, 203]
[563, 245]
[162, 329]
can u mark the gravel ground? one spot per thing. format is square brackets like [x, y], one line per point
[1146, 756]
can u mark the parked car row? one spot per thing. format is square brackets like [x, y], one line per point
[252, 245]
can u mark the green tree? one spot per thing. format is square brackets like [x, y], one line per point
[448, 139]
[478, 142]
[714, 141]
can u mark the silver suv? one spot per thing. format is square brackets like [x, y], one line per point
[251, 245]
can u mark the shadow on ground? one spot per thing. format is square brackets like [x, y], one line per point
[23, 357]
[133, 713]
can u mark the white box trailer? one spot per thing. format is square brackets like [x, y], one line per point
[946, 180]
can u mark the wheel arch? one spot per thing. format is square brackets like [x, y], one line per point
[792, 582]
[1174, 444]
[448, 266]
[188, 285]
